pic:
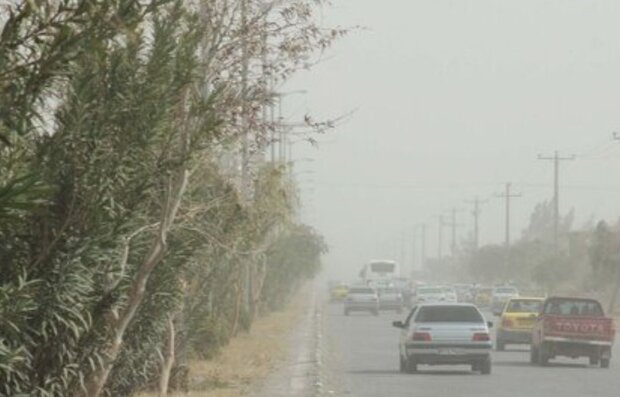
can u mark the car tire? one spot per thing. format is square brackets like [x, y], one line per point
[543, 355]
[604, 363]
[533, 355]
[594, 360]
[485, 366]
[402, 367]
[411, 366]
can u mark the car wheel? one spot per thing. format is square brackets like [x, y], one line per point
[604, 363]
[485, 366]
[594, 359]
[402, 367]
[411, 366]
[543, 355]
[533, 355]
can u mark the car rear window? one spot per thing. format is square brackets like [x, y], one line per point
[361, 291]
[449, 314]
[524, 306]
[573, 307]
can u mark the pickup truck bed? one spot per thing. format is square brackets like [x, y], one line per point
[572, 327]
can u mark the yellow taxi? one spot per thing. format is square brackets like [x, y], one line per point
[517, 321]
[338, 292]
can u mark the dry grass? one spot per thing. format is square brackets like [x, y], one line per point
[248, 359]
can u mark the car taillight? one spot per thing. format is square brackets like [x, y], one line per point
[481, 337]
[506, 323]
[421, 336]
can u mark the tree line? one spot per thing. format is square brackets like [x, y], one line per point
[584, 259]
[139, 225]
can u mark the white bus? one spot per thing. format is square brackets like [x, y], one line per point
[380, 271]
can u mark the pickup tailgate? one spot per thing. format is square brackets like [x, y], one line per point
[579, 328]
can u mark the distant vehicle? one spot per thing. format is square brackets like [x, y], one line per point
[449, 294]
[390, 299]
[517, 321]
[338, 292]
[404, 286]
[380, 271]
[444, 333]
[483, 296]
[464, 293]
[500, 296]
[361, 298]
[427, 294]
[572, 327]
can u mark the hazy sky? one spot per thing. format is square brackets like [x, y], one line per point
[453, 99]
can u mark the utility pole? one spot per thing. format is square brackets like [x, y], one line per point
[476, 214]
[414, 248]
[507, 195]
[439, 236]
[556, 158]
[403, 253]
[453, 225]
[423, 248]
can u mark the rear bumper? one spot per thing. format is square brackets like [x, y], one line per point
[560, 346]
[447, 353]
[514, 336]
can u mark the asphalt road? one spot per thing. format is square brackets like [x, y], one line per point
[361, 359]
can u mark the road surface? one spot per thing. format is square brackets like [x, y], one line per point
[361, 359]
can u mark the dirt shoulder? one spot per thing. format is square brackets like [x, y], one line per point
[244, 364]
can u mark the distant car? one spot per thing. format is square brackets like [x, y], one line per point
[390, 299]
[572, 327]
[464, 293]
[482, 297]
[444, 333]
[449, 294]
[338, 292]
[517, 321]
[500, 296]
[428, 294]
[361, 299]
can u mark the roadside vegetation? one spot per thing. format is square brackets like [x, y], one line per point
[586, 259]
[140, 225]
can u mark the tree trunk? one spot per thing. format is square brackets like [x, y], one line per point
[95, 382]
[237, 312]
[168, 359]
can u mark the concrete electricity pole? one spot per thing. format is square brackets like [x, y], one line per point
[507, 195]
[423, 252]
[556, 158]
[440, 236]
[476, 214]
[453, 225]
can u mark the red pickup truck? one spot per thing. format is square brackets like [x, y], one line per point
[572, 327]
